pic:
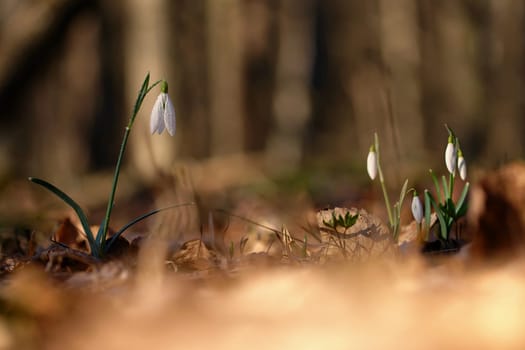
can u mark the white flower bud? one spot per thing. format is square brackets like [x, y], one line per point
[417, 209]
[462, 168]
[371, 163]
[450, 157]
[163, 113]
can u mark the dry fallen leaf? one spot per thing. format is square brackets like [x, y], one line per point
[367, 238]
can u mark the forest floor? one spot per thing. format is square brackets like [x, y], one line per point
[248, 267]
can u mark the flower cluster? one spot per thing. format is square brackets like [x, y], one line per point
[447, 211]
[445, 208]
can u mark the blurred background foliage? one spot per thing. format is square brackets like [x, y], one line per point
[290, 83]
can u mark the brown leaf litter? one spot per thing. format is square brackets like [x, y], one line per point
[351, 288]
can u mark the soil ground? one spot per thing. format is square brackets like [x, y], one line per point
[261, 274]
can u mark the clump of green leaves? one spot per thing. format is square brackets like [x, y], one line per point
[447, 211]
[346, 221]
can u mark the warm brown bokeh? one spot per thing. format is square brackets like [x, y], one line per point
[293, 80]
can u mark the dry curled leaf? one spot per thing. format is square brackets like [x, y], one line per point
[194, 255]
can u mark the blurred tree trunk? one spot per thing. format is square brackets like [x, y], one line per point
[292, 78]
[190, 84]
[62, 104]
[400, 52]
[350, 100]
[365, 82]
[225, 76]
[49, 77]
[505, 91]
[261, 40]
[146, 50]
[292, 106]
[452, 57]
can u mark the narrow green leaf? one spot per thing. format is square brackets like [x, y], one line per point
[396, 213]
[451, 178]
[140, 218]
[153, 85]
[69, 201]
[461, 210]
[142, 93]
[330, 224]
[340, 220]
[445, 189]
[461, 205]
[402, 194]
[347, 218]
[428, 211]
[352, 219]
[436, 185]
[442, 223]
[451, 209]
[395, 223]
[100, 232]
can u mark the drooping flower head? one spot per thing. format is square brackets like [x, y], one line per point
[451, 155]
[417, 208]
[163, 113]
[371, 162]
[462, 165]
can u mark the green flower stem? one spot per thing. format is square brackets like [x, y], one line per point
[140, 218]
[101, 237]
[102, 233]
[451, 184]
[428, 213]
[382, 181]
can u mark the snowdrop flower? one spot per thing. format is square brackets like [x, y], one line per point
[163, 113]
[371, 163]
[417, 208]
[462, 166]
[450, 155]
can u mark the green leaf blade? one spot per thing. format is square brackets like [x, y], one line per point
[442, 222]
[445, 189]
[140, 218]
[69, 201]
[436, 185]
[428, 211]
[462, 205]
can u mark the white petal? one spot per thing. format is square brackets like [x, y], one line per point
[169, 116]
[462, 168]
[371, 164]
[156, 119]
[450, 157]
[417, 209]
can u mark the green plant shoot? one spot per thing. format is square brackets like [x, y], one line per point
[99, 244]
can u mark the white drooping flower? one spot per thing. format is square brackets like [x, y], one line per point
[417, 208]
[371, 163]
[451, 156]
[462, 166]
[163, 113]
